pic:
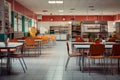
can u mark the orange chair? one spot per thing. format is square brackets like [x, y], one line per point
[96, 51]
[79, 39]
[112, 40]
[38, 37]
[45, 40]
[115, 53]
[30, 44]
[71, 55]
[53, 39]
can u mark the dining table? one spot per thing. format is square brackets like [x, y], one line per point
[86, 45]
[39, 41]
[8, 46]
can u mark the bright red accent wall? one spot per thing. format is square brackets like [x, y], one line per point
[20, 8]
[77, 17]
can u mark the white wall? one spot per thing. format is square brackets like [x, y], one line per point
[45, 26]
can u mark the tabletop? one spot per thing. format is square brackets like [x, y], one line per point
[10, 44]
[86, 43]
[88, 46]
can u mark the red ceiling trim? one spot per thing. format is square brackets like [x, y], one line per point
[23, 10]
[77, 17]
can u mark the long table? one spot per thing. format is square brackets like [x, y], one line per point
[87, 46]
[8, 47]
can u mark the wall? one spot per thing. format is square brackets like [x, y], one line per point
[77, 17]
[23, 10]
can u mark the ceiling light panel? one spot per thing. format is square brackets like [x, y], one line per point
[55, 2]
[51, 2]
[59, 2]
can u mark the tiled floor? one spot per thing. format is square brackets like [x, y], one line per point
[50, 66]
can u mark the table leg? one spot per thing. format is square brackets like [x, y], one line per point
[8, 62]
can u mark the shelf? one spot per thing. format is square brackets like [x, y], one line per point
[76, 31]
[59, 29]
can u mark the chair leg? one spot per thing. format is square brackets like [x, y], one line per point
[22, 65]
[111, 66]
[89, 65]
[67, 62]
[80, 63]
[1, 68]
[104, 65]
[118, 65]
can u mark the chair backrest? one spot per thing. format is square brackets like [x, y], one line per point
[111, 40]
[19, 50]
[116, 49]
[52, 37]
[13, 40]
[67, 44]
[96, 49]
[79, 39]
[29, 41]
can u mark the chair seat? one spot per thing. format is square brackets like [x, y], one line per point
[16, 55]
[75, 54]
[5, 50]
[114, 56]
[95, 57]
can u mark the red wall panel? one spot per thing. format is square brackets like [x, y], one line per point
[77, 17]
[20, 8]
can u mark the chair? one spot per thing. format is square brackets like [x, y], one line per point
[19, 54]
[1, 57]
[45, 40]
[115, 53]
[4, 51]
[112, 40]
[71, 55]
[79, 39]
[30, 44]
[53, 39]
[96, 51]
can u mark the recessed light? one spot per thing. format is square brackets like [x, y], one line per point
[59, 2]
[55, 2]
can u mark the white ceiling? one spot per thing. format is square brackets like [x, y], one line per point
[101, 7]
